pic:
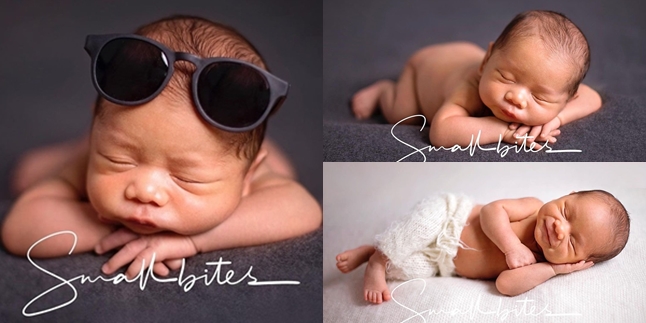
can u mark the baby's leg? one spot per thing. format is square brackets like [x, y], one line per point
[397, 101]
[43, 162]
[375, 289]
[348, 260]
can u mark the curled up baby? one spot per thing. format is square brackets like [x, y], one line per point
[527, 83]
[520, 243]
[176, 162]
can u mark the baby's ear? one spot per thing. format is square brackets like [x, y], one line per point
[486, 58]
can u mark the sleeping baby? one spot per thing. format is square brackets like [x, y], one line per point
[527, 83]
[519, 242]
[176, 162]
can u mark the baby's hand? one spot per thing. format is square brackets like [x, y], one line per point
[546, 132]
[568, 268]
[168, 248]
[519, 256]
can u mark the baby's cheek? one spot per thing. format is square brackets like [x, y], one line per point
[198, 214]
[102, 192]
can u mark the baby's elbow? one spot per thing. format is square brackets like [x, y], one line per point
[506, 286]
[437, 136]
[597, 102]
[307, 214]
[11, 240]
[312, 215]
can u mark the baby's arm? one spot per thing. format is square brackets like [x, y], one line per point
[50, 206]
[454, 122]
[496, 218]
[513, 282]
[277, 208]
[585, 102]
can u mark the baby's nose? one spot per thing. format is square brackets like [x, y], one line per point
[148, 190]
[517, 98]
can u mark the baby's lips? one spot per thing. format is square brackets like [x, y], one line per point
[549, 225]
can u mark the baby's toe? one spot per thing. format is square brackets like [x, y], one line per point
[386, 294]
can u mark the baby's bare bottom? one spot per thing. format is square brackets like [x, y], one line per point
[46, 161]
[428, 78]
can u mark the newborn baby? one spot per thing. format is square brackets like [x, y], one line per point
[176, 161]
[519, 242]
[528, 82]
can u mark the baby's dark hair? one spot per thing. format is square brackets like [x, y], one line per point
[620, 227]
[204, 38]
[558, 33]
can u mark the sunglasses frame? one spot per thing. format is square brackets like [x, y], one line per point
[277, 88]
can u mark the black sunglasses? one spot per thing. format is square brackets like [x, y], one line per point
[230, 94]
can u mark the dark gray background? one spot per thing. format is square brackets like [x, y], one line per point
[368, 40]
[46, 97]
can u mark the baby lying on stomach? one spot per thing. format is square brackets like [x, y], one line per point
[527, 82]
[519, 242]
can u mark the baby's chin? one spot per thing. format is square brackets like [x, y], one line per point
[143, 230]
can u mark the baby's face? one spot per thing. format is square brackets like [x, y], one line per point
[571, 228]
[159, 167]
[524, 82]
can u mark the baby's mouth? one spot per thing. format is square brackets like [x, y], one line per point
[141, 222]
[509, 114]
[547, 233]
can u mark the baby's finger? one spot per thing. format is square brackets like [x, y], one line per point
[533, 134]
[114, 240]
[124, 256]
[521, 131]
[586, 265]
[173, 264]
[143, 260]
[161, 269]
[555, 132]
[513, 126]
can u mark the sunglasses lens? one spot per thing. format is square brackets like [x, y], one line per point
[233, 94]
[130, 69]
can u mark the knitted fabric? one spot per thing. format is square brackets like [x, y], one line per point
[424, 243]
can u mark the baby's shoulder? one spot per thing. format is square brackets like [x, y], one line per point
[466, 92]
[75, 174]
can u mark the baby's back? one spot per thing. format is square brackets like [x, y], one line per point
[486, 261]
[440, 69]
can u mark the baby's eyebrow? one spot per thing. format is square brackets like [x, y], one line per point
[188, 162]
[119, 140]
[546, 90]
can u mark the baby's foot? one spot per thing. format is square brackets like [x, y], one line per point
[347, 261]
[365, 101]
[375, 289]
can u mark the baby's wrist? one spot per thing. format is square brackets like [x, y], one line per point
[512, 246]
[197, 250]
